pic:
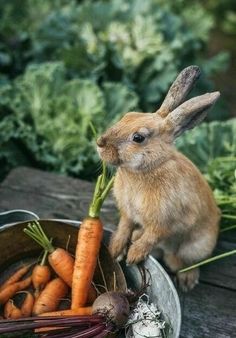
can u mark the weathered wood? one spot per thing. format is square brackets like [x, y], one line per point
[229, 236]
[223, 272]
[208, 311]
[51, 196]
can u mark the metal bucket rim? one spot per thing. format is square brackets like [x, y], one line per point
[23, 211]
[75, 222]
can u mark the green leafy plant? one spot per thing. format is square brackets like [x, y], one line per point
[212, 147]
[143, 45]
[47, 117]
[64, 64]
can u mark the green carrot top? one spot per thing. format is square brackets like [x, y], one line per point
[102, 188]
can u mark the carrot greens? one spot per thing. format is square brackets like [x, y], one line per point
[101, 191]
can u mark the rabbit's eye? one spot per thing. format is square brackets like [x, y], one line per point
[138, 138]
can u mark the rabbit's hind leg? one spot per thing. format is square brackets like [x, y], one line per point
[173, 262]
[186, 280]
[198, 246]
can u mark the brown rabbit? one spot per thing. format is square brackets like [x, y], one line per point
[164, 201]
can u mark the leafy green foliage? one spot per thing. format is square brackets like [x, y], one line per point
[229, 24]
[224, 12]
[212, 147]
[50, 116]
[64, 64]
[141, 44]
[208, 141]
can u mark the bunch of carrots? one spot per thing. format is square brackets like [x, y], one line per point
[10, 288]
[58, 271]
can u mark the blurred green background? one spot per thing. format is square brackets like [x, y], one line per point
[65, 64]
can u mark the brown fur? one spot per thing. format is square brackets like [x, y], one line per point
[164, 200]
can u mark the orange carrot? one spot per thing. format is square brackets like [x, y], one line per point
[60, 260]
[63, 264]
[16, 276]
[11, 289]
[85, 311]
[87, 249]
[11, 311]
[27, 305]
[41, 275]
[88, 245]
[92, 295]
[50, 297]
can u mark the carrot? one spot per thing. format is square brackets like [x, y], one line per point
[60, 260]
[50, 297]
[92, 295]
[85, 311]
[27, 305]
[16, 276]
[11, 289]
[88, 245]
[11, 311]
[41, 275]
[63, 264]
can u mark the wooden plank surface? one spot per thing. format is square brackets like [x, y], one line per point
[209, 311]
[51, 196]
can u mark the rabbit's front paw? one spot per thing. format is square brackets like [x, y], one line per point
[137, 233]
[136, 253]
[187, 280]
[118, 246]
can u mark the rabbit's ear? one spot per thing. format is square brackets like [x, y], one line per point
[190, 113]
[179, 90]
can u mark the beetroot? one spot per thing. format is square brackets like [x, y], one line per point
[114, 306]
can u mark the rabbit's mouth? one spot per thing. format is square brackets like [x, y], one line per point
[109, 156]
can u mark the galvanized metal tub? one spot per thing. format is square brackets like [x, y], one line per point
[161, 292]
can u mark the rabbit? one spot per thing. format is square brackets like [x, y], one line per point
[164, 201]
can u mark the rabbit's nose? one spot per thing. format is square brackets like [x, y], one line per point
[101, 141]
